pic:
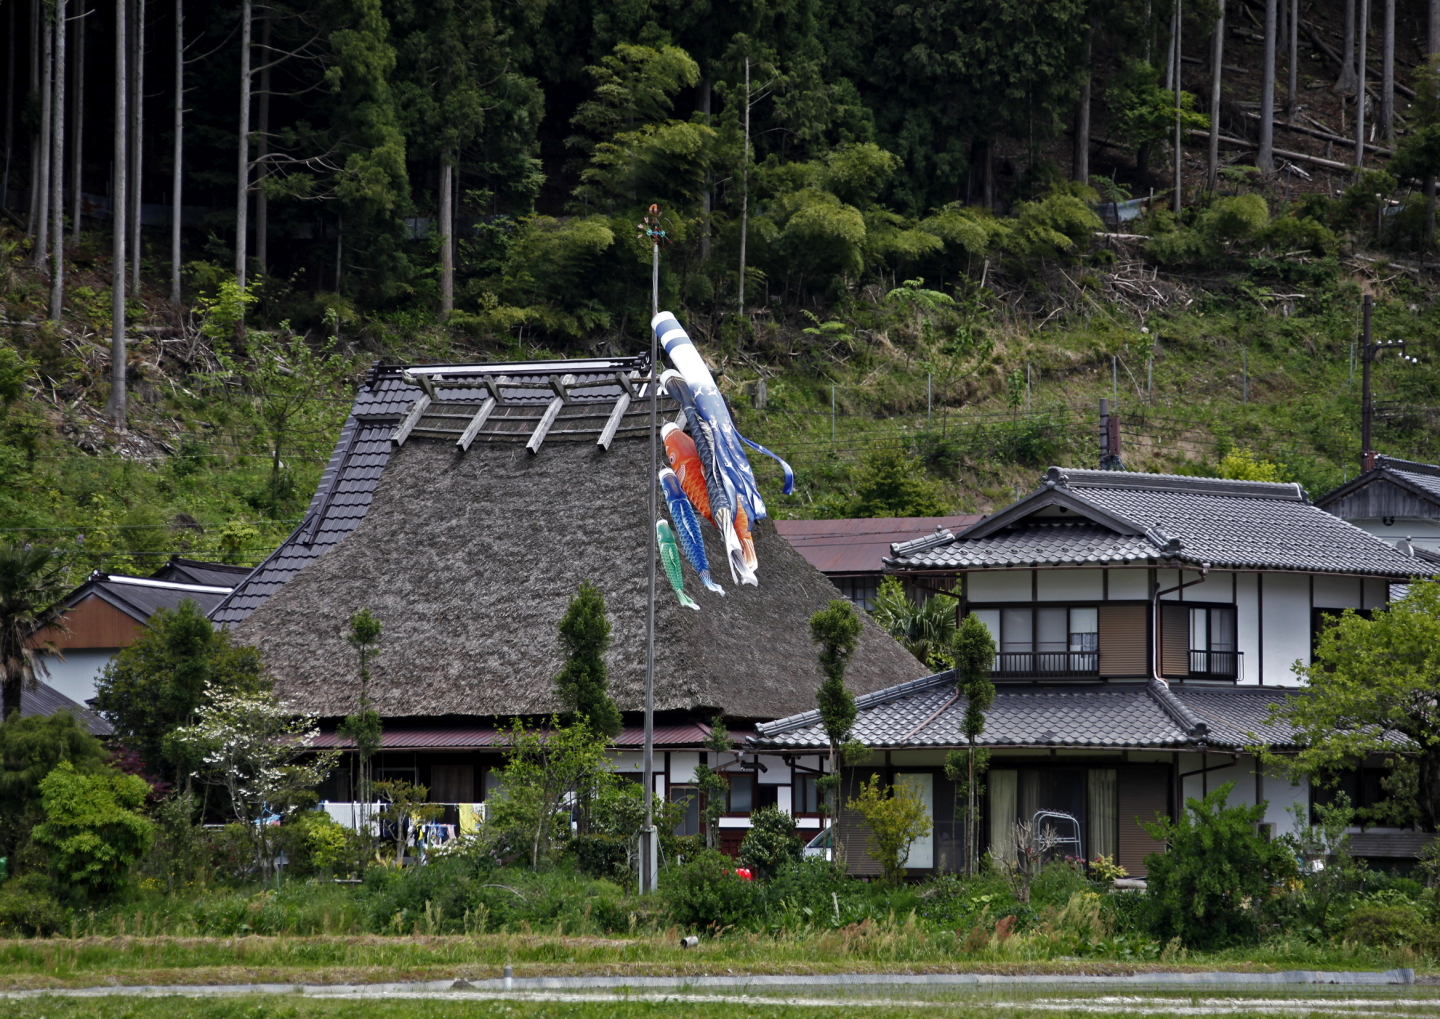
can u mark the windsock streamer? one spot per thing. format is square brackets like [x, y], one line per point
[729, 451]
[687, 528]
[723, 509]
[721, 493]
[670, 558]
[789, 471]
[685, 461]
[748, 561]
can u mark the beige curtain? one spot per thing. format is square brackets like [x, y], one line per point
[1102, 806]
[1003, 806]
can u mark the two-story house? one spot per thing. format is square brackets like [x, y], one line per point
[1145, 624]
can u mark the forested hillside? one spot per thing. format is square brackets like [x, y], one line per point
[905, 235]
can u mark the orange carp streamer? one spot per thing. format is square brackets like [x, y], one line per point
[747, 542]
[685, 462]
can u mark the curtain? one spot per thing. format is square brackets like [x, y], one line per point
[1103, 808]
[1003, 808]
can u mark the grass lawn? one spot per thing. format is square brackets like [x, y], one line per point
[129, 960]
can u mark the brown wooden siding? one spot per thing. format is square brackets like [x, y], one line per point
[856, 843]
[1382, 498]
[1174, 639]
[95, 623]
[1124, 640]
[1142, 793]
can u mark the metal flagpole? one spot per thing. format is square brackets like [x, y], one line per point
[649, 850]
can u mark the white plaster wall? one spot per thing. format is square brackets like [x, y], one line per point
[999, 585]
[1377, 591]
[76, 676]
[1217, 587]
[1071, 585]
[778, 773]
[1332, 592]
[783, 800]
[1281, 793]
[1424, 531]
[1242, 773]
[1189, 784]
[1129, 585]
[1165, 580]
[682, 766]
[1247, 626]
[918, 758]
[627, 760]
[1286, 626]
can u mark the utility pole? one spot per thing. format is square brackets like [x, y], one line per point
[649, 840]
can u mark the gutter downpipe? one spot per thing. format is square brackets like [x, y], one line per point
[1155, 615]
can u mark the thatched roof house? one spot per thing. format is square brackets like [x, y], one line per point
[469, 557]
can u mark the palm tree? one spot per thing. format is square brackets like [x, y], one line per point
[927, 630]
[32, 593]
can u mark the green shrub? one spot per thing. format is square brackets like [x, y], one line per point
[1386, 925]
[1234, 219]
[93, 829]
[707, 894]
[1206, 887]
[771, 842]
[602, 856]
[1292, 233]
[28, 908]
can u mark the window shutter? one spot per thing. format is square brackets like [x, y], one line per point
[1124, 640]
[855, 840]
[1142, 793]
[1174, 639]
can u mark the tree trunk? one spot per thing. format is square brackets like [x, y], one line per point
[33, 197]
[1179, 76]
[745, 191]
[1170, 54]
[1387, 74]
[262, 149]
[1433, 48]
[1345, 84]
[57, 168]
[1292, 61]
[242, 187]
[41, 184]
[706, 199]
[339, 248]
[447, 219]
[9, 107]
[1217, 61]
[137, 150]
[987, 172]
[177, 157]
[1081, 168]
[115, 406]
[1361, 47]
[1265, 158]
[77, 129]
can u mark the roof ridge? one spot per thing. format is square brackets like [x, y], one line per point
[1406, 466]
[1083, 478]
[1180, 712]
[864, 700]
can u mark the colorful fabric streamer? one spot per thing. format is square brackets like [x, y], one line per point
[687, 528]
[685, 461]
[670, 559]
[789, 471]
[729, 451]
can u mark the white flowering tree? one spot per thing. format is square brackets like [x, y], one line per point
[261, 752]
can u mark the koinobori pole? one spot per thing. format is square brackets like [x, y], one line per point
[649, 843]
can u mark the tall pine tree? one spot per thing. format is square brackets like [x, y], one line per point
[583, 685]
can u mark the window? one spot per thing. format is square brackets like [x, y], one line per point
[806, 795]
[742, 793]
[1044, 640]
[688, 798]
[1212, 642]
[860, 590]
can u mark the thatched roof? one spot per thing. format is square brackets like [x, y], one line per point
[470, 559]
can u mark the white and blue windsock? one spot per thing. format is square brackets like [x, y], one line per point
[729, 447]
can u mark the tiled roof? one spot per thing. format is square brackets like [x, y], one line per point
[194, 571]
[465, 735]
[363, 449]
[1165, 519]
[1422, 479]
[1421, 475]
[141, 597]
[854, 546]
[45, 700]
[927, 713]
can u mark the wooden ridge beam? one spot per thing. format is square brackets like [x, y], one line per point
[476, 423]
[542, 429]
[607, 434]
[417, 411]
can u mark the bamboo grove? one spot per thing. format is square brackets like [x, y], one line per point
[486, 162]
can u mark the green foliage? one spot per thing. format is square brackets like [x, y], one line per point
[222, 316]
[1207, 886]
[93, 829]
[1058, 227]
[15, 370]
[896, 818]
[771, 843]
[583, 685]
[32, 592]
[711, 784]
[543, 770]
[31, 748]
[28, 908]
[891, 482]
[404, 805]
[706, 894]
[974, 653]
[1143, 113]
[159, 682]
[1371, 680]
[1242, 464]
[836, 629]
[927, 630]
[1391, 926]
